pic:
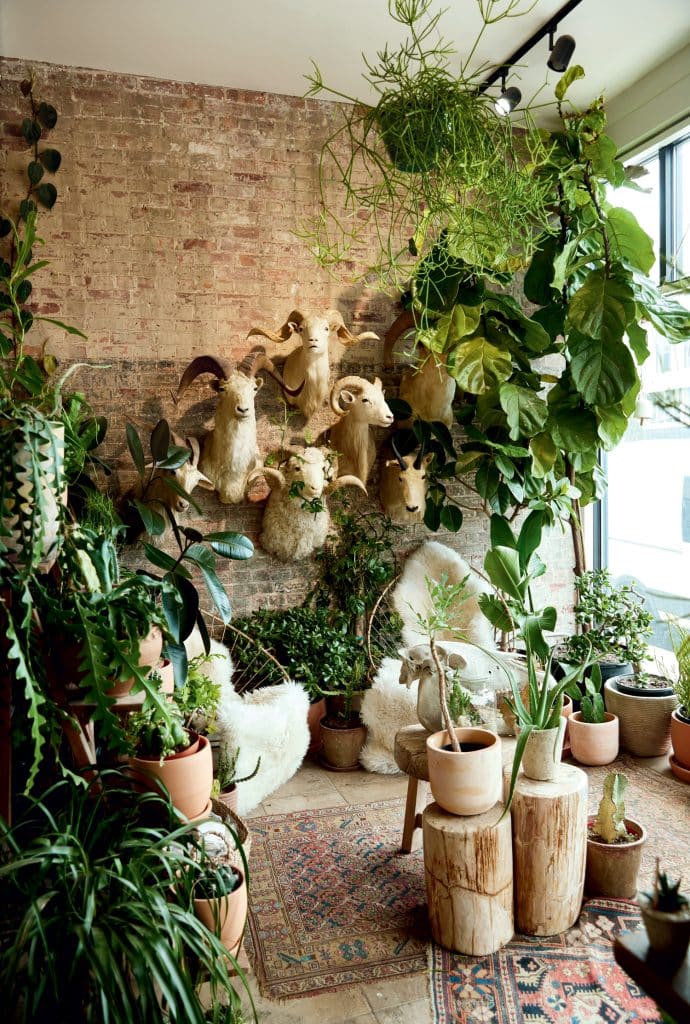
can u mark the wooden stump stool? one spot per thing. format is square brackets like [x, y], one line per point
[468, 866]
[410, 757]
[549, 851]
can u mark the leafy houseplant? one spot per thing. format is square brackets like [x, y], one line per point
[593, 730]
[666, 916]
[199, 698]
[680, 717]
[614, 844]
[86, 881]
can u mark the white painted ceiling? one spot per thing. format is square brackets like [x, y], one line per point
[269, 44]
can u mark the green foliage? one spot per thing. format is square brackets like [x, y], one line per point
[460, 701]
[430, 156]
[226, 772]
[153, 733]
[200, 695]
[614, 619]
[217, 882]
[680, 639]
[666, 895]
[97, 885]
[609, 825]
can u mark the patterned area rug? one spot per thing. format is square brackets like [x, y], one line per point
[334, 903]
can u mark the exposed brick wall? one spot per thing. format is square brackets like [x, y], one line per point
[173, 236]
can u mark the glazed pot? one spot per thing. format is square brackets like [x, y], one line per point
[645, 722]
[226, 916]
[612, 868]
[187, 776]
[542, 754]
[680, 738]
[469, 782]
[341, 745]
[593, 743]
[668, 933]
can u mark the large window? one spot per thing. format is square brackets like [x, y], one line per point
[645, 522]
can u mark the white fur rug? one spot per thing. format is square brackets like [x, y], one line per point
[386, 707]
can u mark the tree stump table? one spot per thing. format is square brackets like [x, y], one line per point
[410, 757]
[468, 867]
[549, 851]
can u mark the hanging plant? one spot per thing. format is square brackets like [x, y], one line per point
[430, 155]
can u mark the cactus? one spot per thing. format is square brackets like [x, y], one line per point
[610, 821]
[227, 767]
[666, 895]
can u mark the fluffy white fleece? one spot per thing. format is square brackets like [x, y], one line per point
[386, 708]
[433, 559]
[270, 723]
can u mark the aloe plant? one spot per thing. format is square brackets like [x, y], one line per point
[666, 895]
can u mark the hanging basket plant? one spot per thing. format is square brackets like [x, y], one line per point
[431, 155]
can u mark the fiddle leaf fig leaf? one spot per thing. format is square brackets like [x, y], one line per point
[527, 412]
[570, 75]
[602, 307]
[477, 365]
[573, 430]
[602, 371]
[632, 243]
[668, 316]
[612, 426]
[539, 275]
[637, 336]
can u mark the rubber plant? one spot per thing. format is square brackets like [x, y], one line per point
[429, 155]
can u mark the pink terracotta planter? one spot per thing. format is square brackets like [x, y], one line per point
[188, 777]
[680, 740]
[593, 743]
[470, 782]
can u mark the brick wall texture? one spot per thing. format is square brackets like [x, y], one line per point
[172, 236]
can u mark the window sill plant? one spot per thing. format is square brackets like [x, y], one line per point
[593, 730]
[666, 916]
[614, 845]
[680, 717]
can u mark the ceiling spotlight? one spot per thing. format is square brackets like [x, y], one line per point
[507, 101]
[561, 52]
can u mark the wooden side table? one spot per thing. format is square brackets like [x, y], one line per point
[410, 757]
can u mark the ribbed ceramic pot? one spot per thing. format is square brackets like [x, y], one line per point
[542, 754]
[593, 743]
[612, 868]
[645, 722]
[469, 782]
[226, 916]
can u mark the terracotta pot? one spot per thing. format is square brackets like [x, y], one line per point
[612, 868]
[469, 782]
[226, 916]
[542, 754]
[149, 652]
[165, 670]
[593, 743]
[645, 722]
[566, 712]
[341, 747]
[316, 712]
[680, 739]
[229, 798]
[668, 934]
[188, 777]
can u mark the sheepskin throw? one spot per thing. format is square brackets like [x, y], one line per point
[386, 707]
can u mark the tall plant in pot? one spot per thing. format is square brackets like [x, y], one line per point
[680, 717]
[614, 844]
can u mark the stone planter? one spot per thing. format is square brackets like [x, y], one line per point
[668, 933]
[469, 782]
[593, 743]
[612, 868]
[645, 722]
[542, 754]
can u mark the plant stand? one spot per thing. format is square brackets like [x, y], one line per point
[549, 851]
[468, 867]
[410, 757]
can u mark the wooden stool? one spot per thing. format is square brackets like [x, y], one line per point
[468, 866]
[549, 850]
[410, 757]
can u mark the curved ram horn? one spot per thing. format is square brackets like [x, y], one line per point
[401, 461]
[404, 322]
[336, 322]
[195, 448]
[202, 364]
[258, 360]
[284, 333]
[345, 383]
[269, 473]
[420, 455]
[346, 481]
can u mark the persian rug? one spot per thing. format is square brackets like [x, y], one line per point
[334, 903]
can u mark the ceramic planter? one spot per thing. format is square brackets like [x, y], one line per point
[680, 738]
[542, 754]
[188, 777]
[668, 934]
[341, 746]
[229, 797]
[316, 712]
[149, 652]
[627, 684]
[645, 722]
[612, 868]
[593, 743]
[469, 782]
[226, 916]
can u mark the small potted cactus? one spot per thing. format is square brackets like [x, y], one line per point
[666, 916]
[593, 730]
[226, 781]
[220, 901]
[614, 845]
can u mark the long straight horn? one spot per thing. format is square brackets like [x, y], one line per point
[420, 456]
[257, 360]
[202, 364]
[401, 461]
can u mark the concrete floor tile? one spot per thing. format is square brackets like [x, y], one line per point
[342, 1007]
[416, 1012]
[303, 801]
[390, 992]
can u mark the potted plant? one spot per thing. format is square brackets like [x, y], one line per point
[614, 844]
[220, 901]
[95, 883]
[342, 730]
[666, 916]
[168, 755]
[593, 730]
[199, 697]
[226, 780]
[680, 716]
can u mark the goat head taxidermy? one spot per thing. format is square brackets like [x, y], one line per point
[360, 405]
[296, 518]
[309, 364]
[404, 485]
[229, 451]
[426, 386]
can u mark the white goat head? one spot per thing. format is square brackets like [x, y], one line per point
[426, 386]
[309, 364]
[360, 405]
[417, 661]
[188, 475]
[404, 485]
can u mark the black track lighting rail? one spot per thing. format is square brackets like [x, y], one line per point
[501, 72]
